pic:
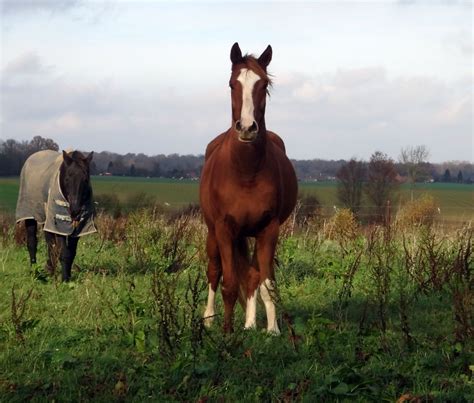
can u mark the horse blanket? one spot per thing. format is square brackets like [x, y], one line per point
[41, 198]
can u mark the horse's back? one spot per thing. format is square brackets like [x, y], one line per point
[35, 180]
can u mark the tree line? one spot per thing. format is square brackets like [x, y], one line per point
[412, 164]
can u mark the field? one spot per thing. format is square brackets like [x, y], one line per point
[367, 314]
[455, 201]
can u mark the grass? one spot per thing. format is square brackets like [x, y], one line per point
[8, 194]
[363, 318]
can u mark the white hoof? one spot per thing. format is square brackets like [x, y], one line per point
[208, 319]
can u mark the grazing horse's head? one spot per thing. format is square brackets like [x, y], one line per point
[249, 83]
[74, 180]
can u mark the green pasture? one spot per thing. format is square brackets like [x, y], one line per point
[456, 201]
[363, 321]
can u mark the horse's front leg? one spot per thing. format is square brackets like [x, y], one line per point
[265, 251]
[230, 284]
[31, 239]
[68, 247]
[214, 273]
[53, 252]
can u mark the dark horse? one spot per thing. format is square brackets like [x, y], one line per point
[55, 191]
[248, 189]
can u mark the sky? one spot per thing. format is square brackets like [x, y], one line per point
[152, 77]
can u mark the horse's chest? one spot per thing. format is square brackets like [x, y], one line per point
[249, 208]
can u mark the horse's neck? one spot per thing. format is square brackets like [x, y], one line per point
[248, 159]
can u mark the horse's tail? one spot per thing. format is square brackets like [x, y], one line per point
[242, 266]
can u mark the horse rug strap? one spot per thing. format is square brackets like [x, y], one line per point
[40, 197]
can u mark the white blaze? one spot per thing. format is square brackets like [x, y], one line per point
[267, 291]
[248, 79]
[210, 312]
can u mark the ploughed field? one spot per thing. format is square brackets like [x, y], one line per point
[367, 313]
[123, 194]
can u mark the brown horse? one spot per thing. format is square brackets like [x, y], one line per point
[248, 189]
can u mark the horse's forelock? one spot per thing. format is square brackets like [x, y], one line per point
[252, 63]
[79, 157]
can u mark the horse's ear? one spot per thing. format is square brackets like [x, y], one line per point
[67, 158]
[89, 157]
[236, 54]
[266, 57]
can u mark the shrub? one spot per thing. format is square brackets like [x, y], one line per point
[6, 224]
[111, 228]
[342, 227]
[307, 209]
[108, 203]
[419, 212]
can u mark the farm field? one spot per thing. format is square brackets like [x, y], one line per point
[365, 316]
[455, 201]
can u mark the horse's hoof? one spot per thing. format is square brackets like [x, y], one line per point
[40, 275]
[273, 332]
[208, 321]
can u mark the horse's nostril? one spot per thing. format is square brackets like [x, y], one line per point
[254, 127]
[238, 126]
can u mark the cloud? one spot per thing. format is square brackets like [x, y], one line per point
[90, 12]
[27, 63]
[13, 7]
[351, 112]
[461, 41]
[431, 2]
[355, 111]
[105, 115]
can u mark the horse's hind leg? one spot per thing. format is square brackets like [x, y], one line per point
[265, 250]
[31, 239]
[252, 283]
[214, 273]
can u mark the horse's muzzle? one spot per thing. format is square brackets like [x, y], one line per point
[246, 134]
[247, 137]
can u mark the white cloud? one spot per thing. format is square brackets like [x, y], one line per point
[13, 7]
[327, 115]
[357, 111]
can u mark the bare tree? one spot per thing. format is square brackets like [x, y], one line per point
[350, 182]
[381, 181]
[39, 143]
[414, 159]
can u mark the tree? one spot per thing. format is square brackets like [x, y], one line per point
[350, 182]
[447, 176]
[39, 143]
[460, 178]
[133, 171]
[110, 167]
[414, 160]
[381, 181]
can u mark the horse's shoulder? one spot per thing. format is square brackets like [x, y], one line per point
[277, 140]
[213, 145]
